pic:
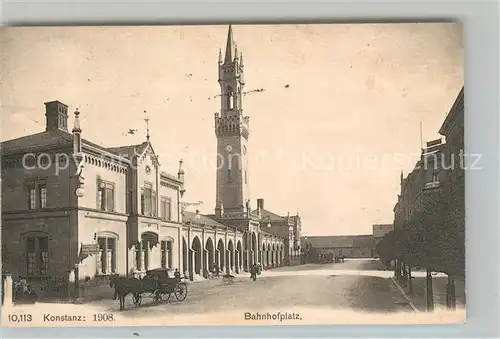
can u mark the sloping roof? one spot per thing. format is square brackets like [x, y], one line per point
[203, 220]
[340, 241]
[44, 140]
[272, 216]
[331, 241]
[59, 138]
[129, 150]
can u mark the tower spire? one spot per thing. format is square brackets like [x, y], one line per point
[229, 45]
[146, 119]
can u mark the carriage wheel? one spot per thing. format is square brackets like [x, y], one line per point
[157, 296]
[165, 296]
[181, 291]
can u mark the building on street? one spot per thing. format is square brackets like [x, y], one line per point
[69, 203]
[349, 246]
[439, 167]
[420, 184]
[286, 227]
[453, 131]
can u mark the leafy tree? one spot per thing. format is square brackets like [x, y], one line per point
[434, 233]
[386, 248]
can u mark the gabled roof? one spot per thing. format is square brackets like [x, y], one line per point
[129, 150]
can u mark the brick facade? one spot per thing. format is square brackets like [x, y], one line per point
[45, 222]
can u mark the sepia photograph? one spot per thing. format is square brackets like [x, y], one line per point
[287, 174]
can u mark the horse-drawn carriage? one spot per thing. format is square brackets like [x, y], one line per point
[156, 283]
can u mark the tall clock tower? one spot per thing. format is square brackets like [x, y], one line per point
[231, 130]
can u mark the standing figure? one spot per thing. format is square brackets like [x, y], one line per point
[253, 272]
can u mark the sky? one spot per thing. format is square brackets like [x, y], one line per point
[330, 145]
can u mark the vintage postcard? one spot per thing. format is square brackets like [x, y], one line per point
[233, 175]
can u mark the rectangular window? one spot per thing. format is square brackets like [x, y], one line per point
[32, 197]
[100, 199]
[99, 266]
[229, 175]
[37, 194]
[105, 196]
[166, 208]
[154, 203]
[145, 257]
[148, 193]
[164, 254]
[43, 255]
[106, 260]
[102, 260]
[42, 191]
[163, 208]
[110, 201]
[143, 210]
[169, 254]
[37, 254]
[31, 255]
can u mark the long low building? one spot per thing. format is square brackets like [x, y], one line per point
[349, 246]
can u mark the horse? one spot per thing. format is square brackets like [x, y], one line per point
[124, 286]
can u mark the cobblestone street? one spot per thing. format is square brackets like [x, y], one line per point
[341, 286]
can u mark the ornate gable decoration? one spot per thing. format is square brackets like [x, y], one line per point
[147, 152]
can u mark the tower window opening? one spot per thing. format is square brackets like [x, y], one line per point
[229, 175]
[230, 100]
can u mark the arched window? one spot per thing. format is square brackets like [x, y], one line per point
[230, 96]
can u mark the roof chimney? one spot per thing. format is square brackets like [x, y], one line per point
[56, 116]
[260, 203]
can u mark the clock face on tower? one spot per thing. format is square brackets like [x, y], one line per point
[229, 148]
